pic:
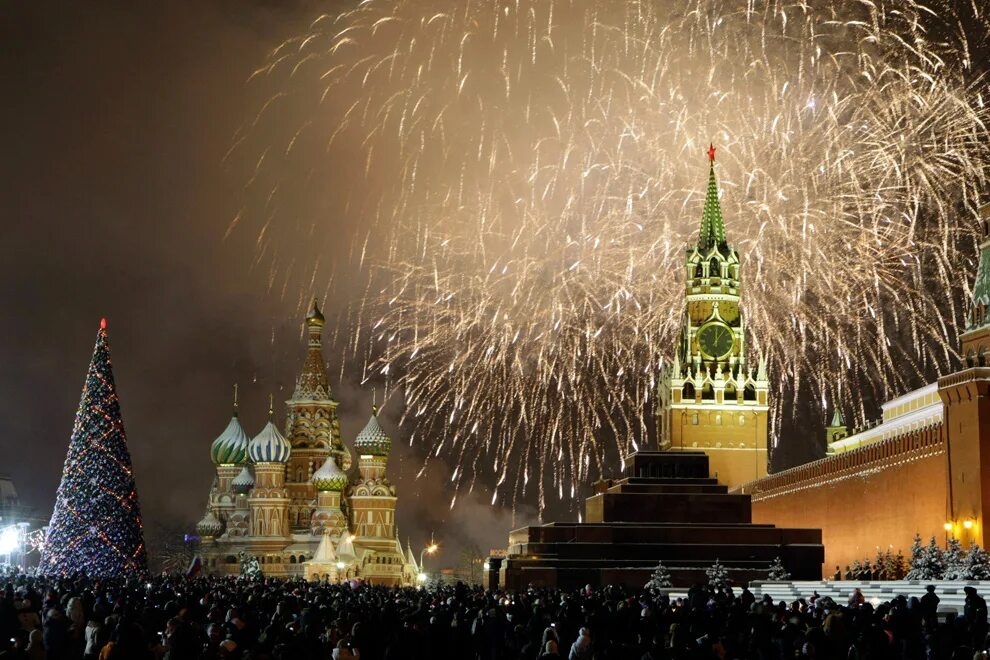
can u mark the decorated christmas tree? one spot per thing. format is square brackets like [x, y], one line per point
[96, 525]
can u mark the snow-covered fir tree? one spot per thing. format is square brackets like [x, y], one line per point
[929, 565]
[954, 560]
[889, 566]
[777, 572]
[977, 563]
[917, 549]
[660, 579]
[718, 575]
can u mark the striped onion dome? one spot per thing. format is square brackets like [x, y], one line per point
[210, 525]
[329, 476]
[372, 439]
[243, 482]
[269, 446]
[230, 448]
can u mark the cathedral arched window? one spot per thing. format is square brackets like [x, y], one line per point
[687, 392]
[714, 268]
[707, 393]
[749, 394]
[699, 271]
[730, 393]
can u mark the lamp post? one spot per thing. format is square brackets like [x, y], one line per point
[429, 550]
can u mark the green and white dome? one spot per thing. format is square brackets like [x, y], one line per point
[230, 448]
[372, 439]
[329, 476]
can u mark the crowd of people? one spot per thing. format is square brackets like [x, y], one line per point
[206, 618]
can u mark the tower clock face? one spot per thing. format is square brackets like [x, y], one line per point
[716, 340]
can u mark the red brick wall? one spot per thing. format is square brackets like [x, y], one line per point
[876, 496]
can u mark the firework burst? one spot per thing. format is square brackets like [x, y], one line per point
[528, 173]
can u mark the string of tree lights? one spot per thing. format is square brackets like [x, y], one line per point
[96, 526]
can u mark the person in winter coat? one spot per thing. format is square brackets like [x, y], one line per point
[56, 635]
[581, 648]
[36, 645]
[94, 635]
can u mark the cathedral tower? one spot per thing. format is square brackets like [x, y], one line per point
[328, 518]
[229, 455]
[312, 426]
[965, 395]
[269, 499]
[711, 396]
[372, 496]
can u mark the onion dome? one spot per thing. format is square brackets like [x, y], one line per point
[269, 446]
[315, 316]
[230, 448]
[372, 438]
[243, 482]
[329, 476]
[210, 525]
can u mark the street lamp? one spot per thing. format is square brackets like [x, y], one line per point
[429, 550]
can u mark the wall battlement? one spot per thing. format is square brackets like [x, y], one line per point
[861, 462]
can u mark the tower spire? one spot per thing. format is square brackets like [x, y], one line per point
[235, 399]
[312, 383]
[712, 226]
[980, 300]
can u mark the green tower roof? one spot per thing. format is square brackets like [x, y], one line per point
[981, 287]
[712, 226]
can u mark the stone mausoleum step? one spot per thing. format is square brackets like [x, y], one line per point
[950, 592]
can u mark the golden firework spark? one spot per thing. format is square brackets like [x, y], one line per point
[529, 172]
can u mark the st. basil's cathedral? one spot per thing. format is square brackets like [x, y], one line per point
[287, 500]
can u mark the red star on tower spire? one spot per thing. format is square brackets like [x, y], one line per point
[711, 152]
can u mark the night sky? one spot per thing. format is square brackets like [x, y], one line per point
[115, 201]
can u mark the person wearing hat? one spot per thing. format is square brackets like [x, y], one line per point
[929, 606]
[975, 613]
